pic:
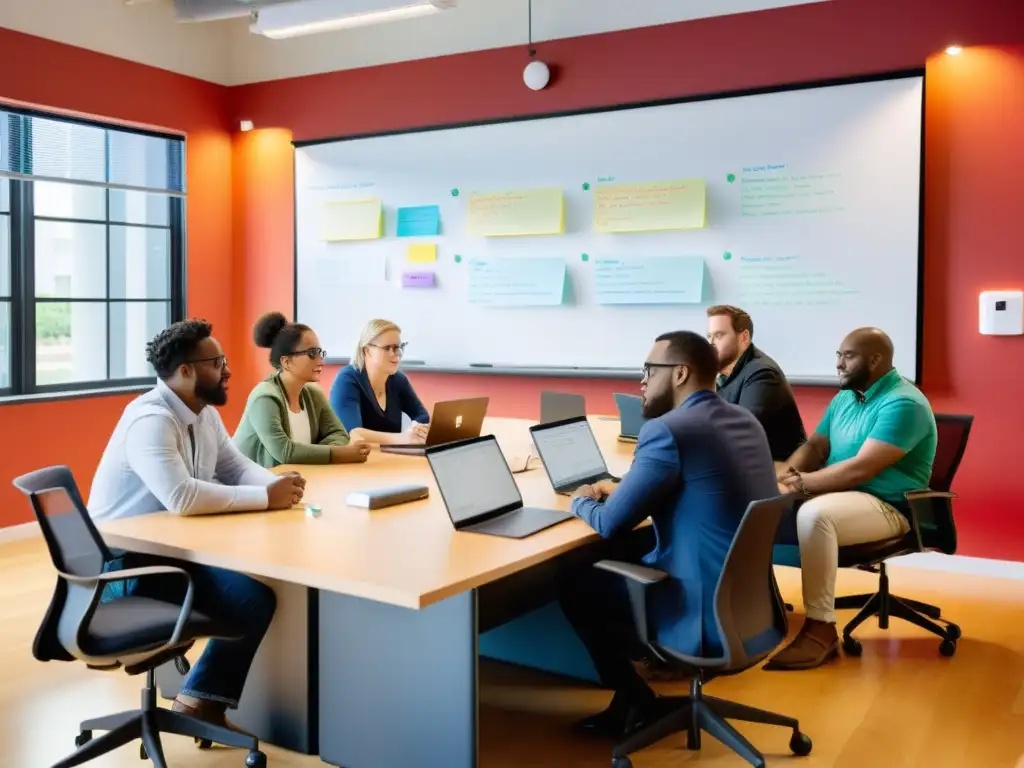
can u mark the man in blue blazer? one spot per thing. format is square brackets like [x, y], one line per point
[699, 463]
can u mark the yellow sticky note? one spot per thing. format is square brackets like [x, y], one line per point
[518, 212]
[421, 253]
[351, 220]
[650, 206]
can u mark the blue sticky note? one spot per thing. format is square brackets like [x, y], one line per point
[650, 280]
[515, 282]
[419, 221]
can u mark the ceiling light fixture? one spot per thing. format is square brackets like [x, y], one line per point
[536, 74]
[307, 17]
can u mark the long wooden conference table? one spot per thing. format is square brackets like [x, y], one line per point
[372, 657]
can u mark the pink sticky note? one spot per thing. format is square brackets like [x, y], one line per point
[417, 279]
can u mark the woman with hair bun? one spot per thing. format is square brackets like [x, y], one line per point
[287, 418]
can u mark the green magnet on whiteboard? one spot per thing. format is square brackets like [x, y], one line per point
[727, 255]
[585, 257]
[586, 185]
[458, 259]
[455, 192]
[731, 178]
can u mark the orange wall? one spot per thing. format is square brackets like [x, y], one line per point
[974, 119]
[55, 76]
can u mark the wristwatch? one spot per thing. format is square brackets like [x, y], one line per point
[798, 483]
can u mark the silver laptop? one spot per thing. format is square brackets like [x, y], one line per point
[631, 416]
[480, 493]
[556, 406]
[570, 454]
[451, 420]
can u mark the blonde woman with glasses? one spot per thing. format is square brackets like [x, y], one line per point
[370, 394]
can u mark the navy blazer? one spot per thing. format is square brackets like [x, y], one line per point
[695, 471]
[355, 404]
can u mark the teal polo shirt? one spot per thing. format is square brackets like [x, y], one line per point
[892, 411]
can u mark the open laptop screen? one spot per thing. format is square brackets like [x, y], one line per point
[473, 479]
[569, 452]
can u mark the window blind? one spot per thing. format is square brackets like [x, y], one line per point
[57, 149]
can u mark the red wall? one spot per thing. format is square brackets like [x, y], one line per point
[240, 223]
[55, 76]
[974, 120]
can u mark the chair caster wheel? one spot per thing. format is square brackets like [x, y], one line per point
[203, 743]
[255, 760]
[621, 762]
[852, 646]
[953, 632]
[947, 647]
[143, 755]
[800, 744]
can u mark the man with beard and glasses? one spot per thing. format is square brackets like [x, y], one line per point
[699, 462]
[876, 441]
[170, 451]
[748, 377]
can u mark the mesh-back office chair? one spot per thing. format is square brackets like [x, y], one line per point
[932, 529]
[751, 622]
[137, 633]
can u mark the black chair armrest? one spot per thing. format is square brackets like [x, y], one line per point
[85, 604]
[920, 503]
[638, 579]
[925, 493]
[640, 573]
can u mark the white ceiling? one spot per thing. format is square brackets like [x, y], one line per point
[225, 52]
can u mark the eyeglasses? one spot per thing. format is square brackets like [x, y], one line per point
[392, 349]
[220, 361]
[312, 353]
[647, 368]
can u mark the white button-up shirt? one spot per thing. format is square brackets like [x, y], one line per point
[164, 456]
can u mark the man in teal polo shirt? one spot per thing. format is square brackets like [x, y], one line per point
[875, 442]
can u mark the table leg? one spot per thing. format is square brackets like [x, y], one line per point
[279, 703]
[398, 687]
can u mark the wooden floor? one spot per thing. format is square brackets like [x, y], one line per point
[900, 704]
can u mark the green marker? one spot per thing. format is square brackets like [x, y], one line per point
[727, 255]
[731, 178]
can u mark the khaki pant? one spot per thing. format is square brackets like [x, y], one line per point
[835, 520]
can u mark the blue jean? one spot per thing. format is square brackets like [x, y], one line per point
[219, 674]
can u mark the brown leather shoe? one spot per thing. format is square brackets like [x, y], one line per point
[212, 712]
[816, 644]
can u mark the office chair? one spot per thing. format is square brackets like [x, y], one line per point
[751, 622]
[138, 633]
[932, 529]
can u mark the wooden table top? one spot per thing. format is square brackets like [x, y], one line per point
[407, 555]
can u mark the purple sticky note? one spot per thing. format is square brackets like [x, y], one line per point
[418, 279]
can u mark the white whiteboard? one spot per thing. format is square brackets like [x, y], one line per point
[806, 278]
